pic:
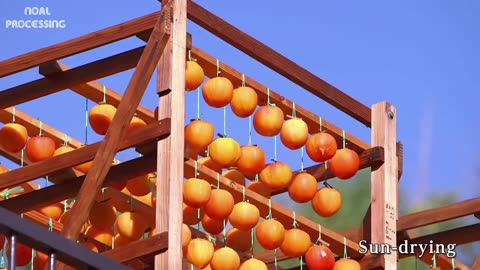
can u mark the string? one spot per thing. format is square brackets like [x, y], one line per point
[46, 181]
[40, 126]
[251, 243]
[294, 113]
[86, 121]
[243, 193]
[104, 94]
[295, 223]
[319, 233]
[269, 216]
[218, 180]
[189, 55]
[275, 260]
[250, 130]
[225, 121]
[301, 262]
[22, 157]
[243, 80]
[343, 138]
[320, 123]
[345, 248]
[301, 158]
[453, 264]
[268, 98]
[131, 204]
[65, 139]
[274, 148]
[225, 232]
[256, 177]
[13, 115]
[65, 206]
[218, 67]
[196, 169]
[50, 224]
[198, 104]
[434, 259]
[199, 216]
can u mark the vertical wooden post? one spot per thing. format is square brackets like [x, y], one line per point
[171, 90]
[384, 183]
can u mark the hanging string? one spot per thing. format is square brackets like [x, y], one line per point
[320, 123]
[301, 262]
[319, 240]
[225, 232]
[250, 130]
[65, 206]
[198, 104]
[13, 115]
[199, 216]
[251, 242]
[301, 158]
[65, 139]
[268, 98]
[269, 216]
[22, 158]
[453, 264]
[50, 224]
[343, 139]
[274, 148]
[256, 177]
[103, 194]
[294, 112]
[218, 180]
[33, 257]
[196, 168]
[46, 181]
[243, 80]
[2, 258]
[189, 55]
[225, 121]
[218, 67]
[243, 193]
[86, 121]
[275, 260]
[104, 94]
[40, 126]
[295, 223]
[345, 248]
[131, 204]
[434, 259]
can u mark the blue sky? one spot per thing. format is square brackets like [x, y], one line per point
[418, 55]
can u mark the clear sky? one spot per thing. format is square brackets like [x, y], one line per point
[418, 55]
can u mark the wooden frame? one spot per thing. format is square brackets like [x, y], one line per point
[165, 33]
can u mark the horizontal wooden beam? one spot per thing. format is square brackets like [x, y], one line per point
[438, 214]
[372, 157]
[61, 81]
[279, 212]
[78, 45]
[68, 189]
[209, 65]
[95, 91]
[145, 35]
[139, 249]
[278, 63]
[152, 132]
[42, 240]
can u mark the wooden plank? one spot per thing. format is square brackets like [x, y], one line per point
[279, 63]
[59, 192]
[145, 35]
[41, 239]
[33, 126]
[439, 214]
[118, 129]
[384, 182]
[152, 132]
[139, 249]
[82, 74]
[209, 65]
[372, 157]
[78, 45]
[94, 91]
[171, 90]
[281, 213]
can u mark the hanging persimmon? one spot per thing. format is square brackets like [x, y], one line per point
[253, 264]
[294, 133]
[103, 215]
[23, 253]
[225, 258]
[120, 240]
[103, 236]
[83, 168]
[237, 177]
[194, 75]
[186, 235]
[39, 148]
[196, 192]
[244, 101]
[270, 234]
[319, 257]
[344, 164]
[260, 188]
[136, 123]
[199, 134]
[40, 260]
[190, 215]
[296, 243]
[302, 188]
[217, 92]
[13, 137]
[209, 163]
[131, 225]
[219, 205]
[139, 186]
[200, 252]
[212, 226]
[327, 201]
[90, 246]
[321, 147]
[240, 240]
[244, 216]
[53, 211]
[347, 264]
[251, 161]
[276, 175]
[225, 151]
[268, 120]
[66, 215]
[100, 117]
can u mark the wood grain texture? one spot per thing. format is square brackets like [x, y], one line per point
[384, 182]
[279, 63]
[209, 65]
[118, 129]
[150, 133]
[78, 45]
[82, 74]
[139, 249]
[170, 167]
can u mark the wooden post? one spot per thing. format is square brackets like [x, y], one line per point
[171, 90]
[384, 181]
